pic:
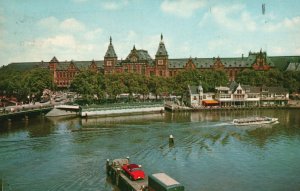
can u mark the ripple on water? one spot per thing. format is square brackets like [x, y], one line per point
[216, 154]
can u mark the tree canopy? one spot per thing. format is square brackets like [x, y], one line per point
[23, 83]
[96, 86]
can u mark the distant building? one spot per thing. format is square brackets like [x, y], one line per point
[139, 61]
[237, 95]
[293, 66]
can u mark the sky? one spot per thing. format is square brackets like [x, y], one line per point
[36, 30]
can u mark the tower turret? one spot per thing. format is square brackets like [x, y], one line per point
[110, 53]
[110, 58]
[161, 59]
[161, 51]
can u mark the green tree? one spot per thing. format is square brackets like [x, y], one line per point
[87, 83]
[181, 81]
[114, 85]
[158, 86]
[292, 81]
[36, 80]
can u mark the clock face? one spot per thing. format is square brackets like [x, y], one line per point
[160, 62]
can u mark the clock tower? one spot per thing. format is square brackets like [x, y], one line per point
[161, 60]
[110, 58]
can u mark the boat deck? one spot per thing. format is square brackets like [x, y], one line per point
[121, 180]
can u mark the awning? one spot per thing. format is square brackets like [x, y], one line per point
[210, 102]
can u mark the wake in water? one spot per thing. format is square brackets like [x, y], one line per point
[220, 124]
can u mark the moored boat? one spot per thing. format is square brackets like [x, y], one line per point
[255, 121]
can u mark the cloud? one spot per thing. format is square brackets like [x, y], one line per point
[65, 38]
[297, 51]
[182, 8]
[91, 35]
[69, 24]
[287, 23]
[233, 17]
[114, 5]
[65, 41]
[63, 46]
[72, 24]
[48, 22]
[236, 18]
[217, 44]
[293, 22]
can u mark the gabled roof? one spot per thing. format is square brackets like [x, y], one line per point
[209, 62]
[81, 65]
[251, 89]
[282, 62]
[222, 88]
[54, 59]
[142, 55]
[110, 53]
[233, 85]
[293, 66]
[273, 89]
[194, 89]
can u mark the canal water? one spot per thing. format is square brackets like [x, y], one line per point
[209, 152]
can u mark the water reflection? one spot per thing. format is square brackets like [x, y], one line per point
[206, 146]
[130, 119]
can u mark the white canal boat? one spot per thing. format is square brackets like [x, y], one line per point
[255, 121]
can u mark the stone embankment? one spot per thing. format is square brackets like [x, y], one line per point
[121, 109]
[173, 107]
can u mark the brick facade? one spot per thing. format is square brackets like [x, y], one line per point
[139, 61]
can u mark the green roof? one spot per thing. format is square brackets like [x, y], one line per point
[78, 64]
[23, 66]
[161, 51]
[282, 62]
[293, 66]
[194, 89]
[110, 53]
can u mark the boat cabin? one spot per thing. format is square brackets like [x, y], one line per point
[163, 182]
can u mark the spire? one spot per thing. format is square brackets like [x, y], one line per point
[161, 51]
[54, 59]
[110, 53]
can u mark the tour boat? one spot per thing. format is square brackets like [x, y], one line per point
[255, 121]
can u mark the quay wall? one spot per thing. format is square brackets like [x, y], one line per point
[184, 109]
[104, 112]
[24, 114]
[55, 112]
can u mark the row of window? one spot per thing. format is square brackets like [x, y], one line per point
[63, 83]
[65, 74]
